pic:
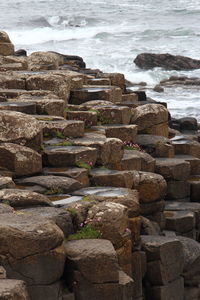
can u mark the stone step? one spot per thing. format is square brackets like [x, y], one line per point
[109, 150]
[87, 93]
[112, 114]
[44, 105]
[185, 146]
[173, 168]
[156, 146]
[88, 117]
[98, 81]
[194, 163]
[26, 107]
[11, 82]
[79, 174]
[64, 156]
[177, 189]
[194, 183]
[62, 128]
[126, 133]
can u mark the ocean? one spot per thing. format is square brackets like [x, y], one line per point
[110, 34]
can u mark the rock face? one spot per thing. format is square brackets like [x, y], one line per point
[166, 61]
[20, 129]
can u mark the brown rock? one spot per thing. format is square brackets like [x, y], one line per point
[20, 160]
[13, 290]
[44, 60]
[6, 182]
[171, 168]
[177, 189]
[20, 129]
[122, 132]
[146, 116]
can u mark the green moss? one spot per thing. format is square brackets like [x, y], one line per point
[87, 232]
[72, 211]
[60, 135]
[82, 164]
[5, 202]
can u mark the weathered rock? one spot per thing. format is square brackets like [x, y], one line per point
[51, 82]
[152, 207]
[194, 163]
[124, 196]
[63, 128]
[165, 259]
[149, 227]
[116, 79]
[88, 117]
[172, 168]
[6, 47]
[51, 184]
[158, 129]
[138, 270]
[58, 156]
[52, 291]
[23, 198]
[188, 124]
[84, 254]
[180, 221]
[6, 183]
[194, 188]
[147, 161]
[166, 61]
[152, 187]
[113, 114]
[20, 129]
[186, 146]
[11, 82]
[27, 108]
[13, 290]
[122, 132]
[22, 161]
[157, 146]
[146, 116]
[5, 208]
[89, 93]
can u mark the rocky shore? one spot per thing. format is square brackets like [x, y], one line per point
[99, 186]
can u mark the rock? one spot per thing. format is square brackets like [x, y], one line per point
[6, 47]
[51, 184]
[152, 187]
[13, 290]
[191, 270]
[111, 219]
[52, 82]
[44, 60]
[116, 79]
[27, 108]
[156, 146]
[172, 168]
[52, 291]
[166, 61]
[138, 270]
[152, 207]
[147, 161]
[122, 132]
[149, 228]
[188, 123]
[6, 182]
[180, 221]
[11, 82]
[194, 188]
[177, 189]
[194, 163]
[130, 161]
[148, 115]
[158, 88]
[84, 254]
[173, 290]
[185, 146]
[113, 114]
[89, 93]
[5, 208]
[20, 129]
[23, 198]
[88, 117]
[124, 196]
[22, 161]
[20, 52]
[62, 156]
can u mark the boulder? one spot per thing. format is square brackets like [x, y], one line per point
[20, 160]
[20, 129]
[122, 132]
[13, 290]
[6, 47]
[44, 61]
[146, 116]
[166, 61]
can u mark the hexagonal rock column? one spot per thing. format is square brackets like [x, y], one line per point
[20, 129]
[93, 271]
[6, 47]
[165, 261]
[20, 160]
[31, 249]
[13, 290]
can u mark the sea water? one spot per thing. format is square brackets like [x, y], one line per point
[110, 34]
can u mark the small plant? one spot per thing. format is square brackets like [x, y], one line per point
[87, 232]
[60, 135]
[72, 211]
[130, 146]
[86, 165]
[64, 143]
[46, 134]
[5, 202]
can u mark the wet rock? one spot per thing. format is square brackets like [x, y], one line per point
[188, 123]
[50, 184]
[11, 82]
[22, 161]
[166, 61]
[13, 290]
[148, 115]
[27, 108]
[158, 88]
[20, 52]
[23, 198]
[20, 129]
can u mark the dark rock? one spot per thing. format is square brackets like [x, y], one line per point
[20, 52]
[166, 61]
